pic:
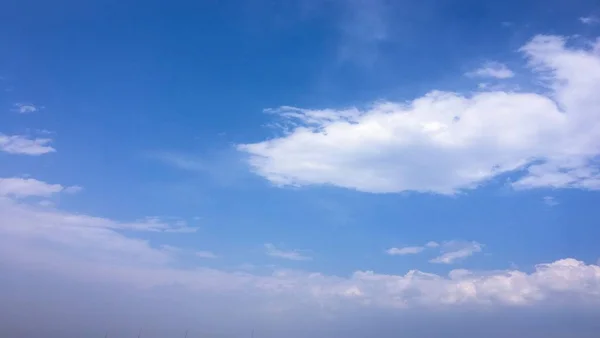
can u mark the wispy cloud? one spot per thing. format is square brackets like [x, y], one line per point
[454, 251]
[26, 187]
[16, 189]
[432, 244]
[294, 255]
[95, 238]
[26, 108]
[589, 20]
[172, 249]
[205, 254]
[182, 230]
[74, 189]
[19, 144]
[409, 250]
[46, 203]
[364, 25]
[176, 250]
[161, 224]
[222, 166]
[492, 69]
[550, 201]
[181, 161]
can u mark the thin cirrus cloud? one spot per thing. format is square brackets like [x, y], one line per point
[26, 108]
[589, 20]
[550, 201]
[454, 251]
[363, 27]
[74, 189]
[19, 144]
[14, 189]
[92, 237]
[409, 250]
[492, 69]
[451, 251]
[446, 142]
[294, 255]
[432, 244]
[26, 187]
[180, 161]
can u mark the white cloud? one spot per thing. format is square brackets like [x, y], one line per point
[26, 187]
[445, 142]
[90, 249]
[294, 255]
[568, 174]
[97, 239]
[19, 144]
[205, 254]
[157, 224]
[26, 108]
[589, 20]
[409, 250]
[451, 250]
[492, 69]
[454, 251]
[12, 189]
[131, 261]
[73, 189]
[432, 244]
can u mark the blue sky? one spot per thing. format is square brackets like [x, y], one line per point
[239, 145]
